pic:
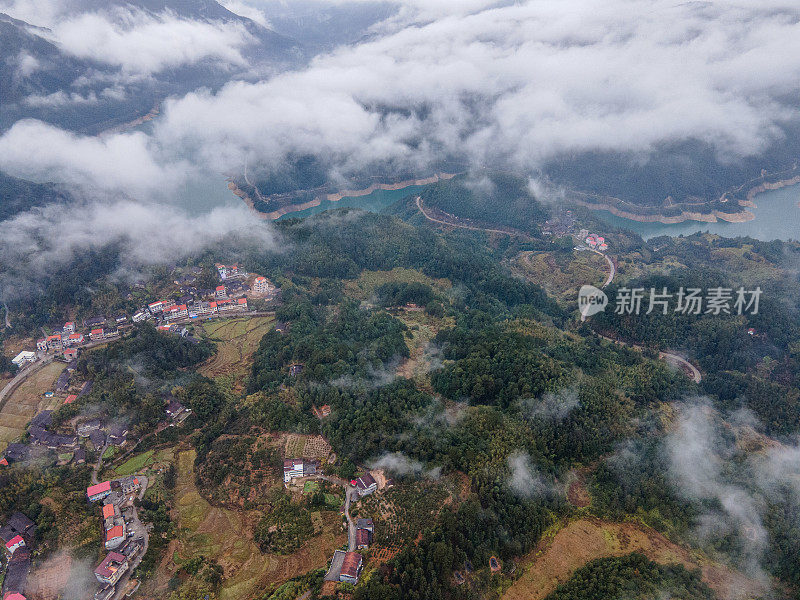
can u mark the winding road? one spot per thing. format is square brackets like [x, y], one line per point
[670, 357]
[510, 232]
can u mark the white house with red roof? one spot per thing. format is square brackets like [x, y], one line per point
[98, 491]
[262, 285]
[157, 306]
[220, 292]
[14, 596]
[73, 339]
[14, 543]
[176, 311]
[96, 335]
[54, 342]
[115, 536]
[69, 327]
[112, 568]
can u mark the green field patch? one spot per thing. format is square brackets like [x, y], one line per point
[363, 287]
[135, 464]
[310, 487]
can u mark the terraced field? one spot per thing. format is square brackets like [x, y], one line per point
[237, 340]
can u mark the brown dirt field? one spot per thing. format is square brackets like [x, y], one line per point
[26, 401]
[226, 536]
[561, 275]
[558, 557]
[47, 581]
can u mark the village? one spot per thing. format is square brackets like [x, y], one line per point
[190, 303]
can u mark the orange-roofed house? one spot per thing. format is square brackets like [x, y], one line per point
[74, 339]
[54, 342]
[242, 303]
[108, 511]
[14, 596]
[98, 491]
[115, 536]
[221, 292]
[71, 398]
[96, 334]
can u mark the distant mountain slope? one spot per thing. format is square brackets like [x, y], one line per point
[18, 195]
[40, 79]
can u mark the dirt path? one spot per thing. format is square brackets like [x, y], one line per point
[558, 557]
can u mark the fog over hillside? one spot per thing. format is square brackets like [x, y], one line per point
[634, 98]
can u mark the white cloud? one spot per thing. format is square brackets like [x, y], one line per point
[140, 42]
[525, 480]
[125, 162]
[511, 84]
[36, 243]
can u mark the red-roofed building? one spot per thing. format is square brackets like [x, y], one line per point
[14, 543]
[164, 327]
[362, 538]
[108, 511]
[115, 536]
[54, 342]
[3, 462]
[73, 339]
[71, 398]
[221, 292]
[176, 311]
[96, 334]
[155, 307]
[351, 567]
[14, 596]
[98, 491]
[242, 302]
[261, 285]
[69, 327]
[112, 568]
[71, 353]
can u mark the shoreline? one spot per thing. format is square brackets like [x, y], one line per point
[711, 217]
[686, 215]
[335, 196]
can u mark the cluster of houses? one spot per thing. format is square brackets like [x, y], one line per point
[596, 242]
[117, 514]
[194, 303]
[68, 446]
[17, 537]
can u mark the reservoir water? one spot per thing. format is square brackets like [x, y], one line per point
[777, 217]
[374, 202]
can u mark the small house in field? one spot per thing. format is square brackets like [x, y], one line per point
[366, 485]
